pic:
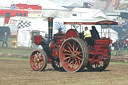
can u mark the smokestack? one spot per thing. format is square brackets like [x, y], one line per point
[50, 27]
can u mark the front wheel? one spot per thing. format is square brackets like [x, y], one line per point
[38, 60]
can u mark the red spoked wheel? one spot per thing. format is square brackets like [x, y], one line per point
[57, 65]
[103, 63]
[73, 54]
[38, 60]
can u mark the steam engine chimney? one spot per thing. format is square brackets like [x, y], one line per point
[50, 27]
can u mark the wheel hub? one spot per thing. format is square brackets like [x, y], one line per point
[72, 55]
[38, 59]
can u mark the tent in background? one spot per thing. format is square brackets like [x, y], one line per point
[86, 13]
[24, 34]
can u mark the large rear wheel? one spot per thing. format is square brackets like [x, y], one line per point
[38, 60]
[73, 54]
[103, 63]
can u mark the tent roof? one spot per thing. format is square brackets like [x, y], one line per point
[90, 13]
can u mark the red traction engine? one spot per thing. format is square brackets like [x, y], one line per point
[70, 51]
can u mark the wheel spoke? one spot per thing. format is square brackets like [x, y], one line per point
[79, 62]
[35, 61]
[58, 64]
[76, 63]
[77, 48]
[81, 55]
[41, 62]
[40, 55]
[37, 65]
[65, 50]
[73, 47]
[67, 54]
[41, 58]
[79, 58]
[78, 53]
[70, 45]
[37, 55]
[72, 64]
[70, 49]
[65, 58]
[33, 56]
[69, 60]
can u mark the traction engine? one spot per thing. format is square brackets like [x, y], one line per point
[70, 52]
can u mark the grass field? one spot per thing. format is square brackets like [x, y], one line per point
[14, 58]
[19, 50]
[27, 59]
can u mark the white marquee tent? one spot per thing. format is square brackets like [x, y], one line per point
[24, 34]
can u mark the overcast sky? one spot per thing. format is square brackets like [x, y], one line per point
[8, 2]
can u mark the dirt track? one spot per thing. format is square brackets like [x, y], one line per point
[19, 73]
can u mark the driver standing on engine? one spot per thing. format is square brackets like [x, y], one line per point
[87, 37]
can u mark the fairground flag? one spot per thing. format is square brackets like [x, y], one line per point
[90, 4]
[60, 24]
[13, 6]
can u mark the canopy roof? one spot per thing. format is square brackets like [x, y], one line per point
[103, 22]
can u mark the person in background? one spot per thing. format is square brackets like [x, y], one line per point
[5, 40]
[120, 46]
[116, 47]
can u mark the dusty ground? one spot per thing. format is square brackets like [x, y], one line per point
[14, 72]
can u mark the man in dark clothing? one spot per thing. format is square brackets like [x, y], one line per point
[5, 39]
[94, 32]
[59, 33]
[116, 48]
[95, 35]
